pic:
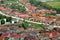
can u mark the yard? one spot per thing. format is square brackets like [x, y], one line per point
[36, 25]
[54, 4]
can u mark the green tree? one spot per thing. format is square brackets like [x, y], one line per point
[21, 8]
[2, 16]
[8, 19]
[34, 2]
[2, 21]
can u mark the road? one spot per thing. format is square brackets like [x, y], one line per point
[26, 20]
[19, 18]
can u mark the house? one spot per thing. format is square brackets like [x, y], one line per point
[49, 20]
[53, 11]
[6, 10]
[21, 29]
[16, 13]
[29, 6]
[41, 19]
[41, 12]
[58, 15]
[1, 0]
[58, 21]
[1, 7]
[33, 14]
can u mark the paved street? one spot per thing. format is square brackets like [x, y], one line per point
[26, 20]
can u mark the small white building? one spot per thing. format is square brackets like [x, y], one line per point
[12, 22]
[5, 19]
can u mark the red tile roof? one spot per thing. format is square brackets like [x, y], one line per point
[20, 28]
[16, 35]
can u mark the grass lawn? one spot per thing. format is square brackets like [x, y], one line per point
[36, 25]
[54, 4]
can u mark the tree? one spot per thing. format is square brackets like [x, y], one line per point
[2, 21]
[8, 19]
[34, 2]
[20, 8]
[2, 16]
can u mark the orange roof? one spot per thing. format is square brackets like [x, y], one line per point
[33, 14]
[23, 2]
[29, 11]
[1, 7]
[50, 19]
[20, 28]
[53, 11]
[23, 35]
[31, 7]
[5, 35]
[16, 13]
[42, 18]
[34, 7]
[23, 15]
[7, 10]
[1, 0]
[10, 33]
[58, 20]
[1, 37]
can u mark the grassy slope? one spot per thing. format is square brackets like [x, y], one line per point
[54, 4]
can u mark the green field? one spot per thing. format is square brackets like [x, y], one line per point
[54, 4]
[36, 25]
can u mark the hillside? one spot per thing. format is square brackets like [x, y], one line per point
[54, 4]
